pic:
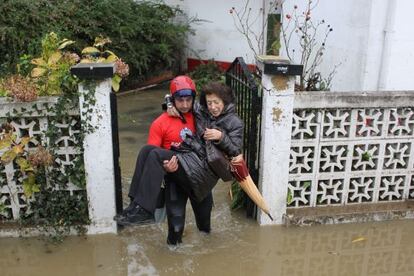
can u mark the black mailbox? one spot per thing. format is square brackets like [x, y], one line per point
[93, 70]
[274, 66]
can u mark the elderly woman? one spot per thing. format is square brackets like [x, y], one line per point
[217, 122]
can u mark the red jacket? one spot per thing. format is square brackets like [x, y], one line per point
[166, 131]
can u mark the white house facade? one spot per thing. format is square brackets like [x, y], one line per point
[372, 40]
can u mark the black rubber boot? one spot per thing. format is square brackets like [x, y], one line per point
[175, 230]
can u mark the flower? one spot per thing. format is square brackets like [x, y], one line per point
[72, 58]
[6, 128]
[20, 88]
[122, 69]
[41, 157]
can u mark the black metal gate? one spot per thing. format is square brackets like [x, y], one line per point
[249, 109]
[115, 143]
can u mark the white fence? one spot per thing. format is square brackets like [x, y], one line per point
[32, 119]
[350, 148]
[352, 152]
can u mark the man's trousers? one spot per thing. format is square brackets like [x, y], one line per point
[176, 200]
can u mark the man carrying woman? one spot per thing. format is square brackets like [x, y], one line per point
[184, 165]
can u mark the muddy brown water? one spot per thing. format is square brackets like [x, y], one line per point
[236, 246]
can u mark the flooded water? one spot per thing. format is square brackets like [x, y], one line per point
[236, 246]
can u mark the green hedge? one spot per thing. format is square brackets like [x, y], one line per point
[142, 32]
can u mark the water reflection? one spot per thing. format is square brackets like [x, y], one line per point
[363, 249]
[236, 246]
[239, 247]
[100, 255]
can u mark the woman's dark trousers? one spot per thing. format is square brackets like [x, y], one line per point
[149, 174]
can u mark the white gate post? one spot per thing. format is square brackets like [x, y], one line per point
[278, 82]
[98, 145]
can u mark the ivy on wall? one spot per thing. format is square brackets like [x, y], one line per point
[45, 180]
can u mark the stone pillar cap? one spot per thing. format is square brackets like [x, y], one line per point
[269, 59]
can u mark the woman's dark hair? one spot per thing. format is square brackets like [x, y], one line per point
[220, 89]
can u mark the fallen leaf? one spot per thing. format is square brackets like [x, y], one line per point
[359, 239]
[333, 253]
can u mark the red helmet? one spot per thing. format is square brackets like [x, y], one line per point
[182, 86]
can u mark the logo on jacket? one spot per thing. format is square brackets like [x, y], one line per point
[185, 132]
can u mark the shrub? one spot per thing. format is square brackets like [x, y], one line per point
[142, 33]
[207, 72]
